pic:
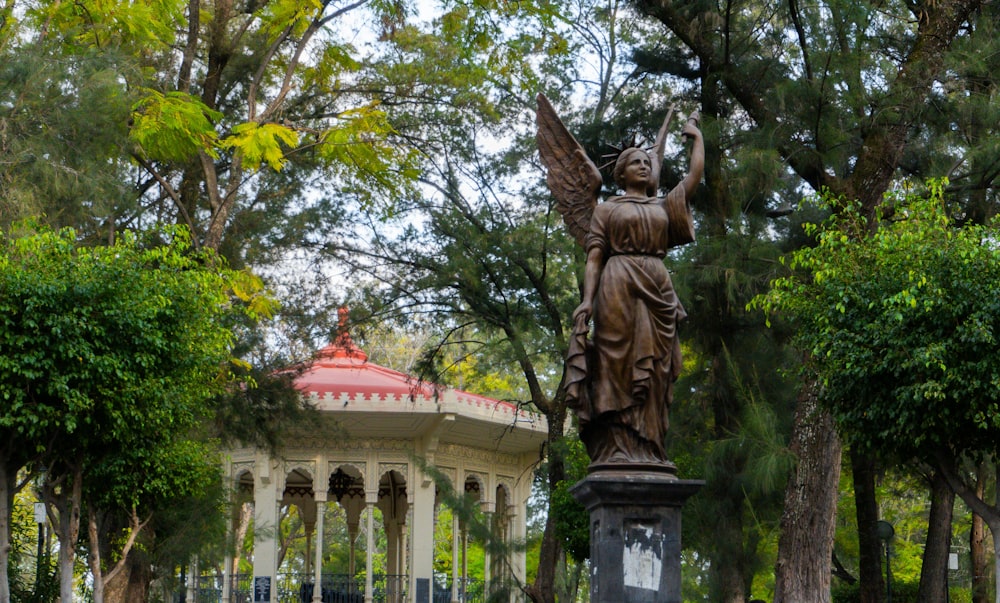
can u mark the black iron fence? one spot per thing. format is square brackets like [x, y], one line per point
[335, 588]
[299, 588]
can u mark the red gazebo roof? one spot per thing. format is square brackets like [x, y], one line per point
[375, 401]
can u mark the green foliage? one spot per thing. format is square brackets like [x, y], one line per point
[33, 579]
[190, 523]
[261, 143]
[110, 357]
[731, 417]
[176, 126]
[357, 148]
[902, 592]
[64, 124]
[102, 23]
[259, 85]
[899, 319]
[114, 337]
[293, 15]
[572, 519]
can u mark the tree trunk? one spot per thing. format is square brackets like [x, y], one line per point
[805, 548]
[731, 585]
[115, 588]
[934, 571]
[95, 556]
[543, 588]
[995, 532]
[140, 576]
[869, 548]
[68, 504]
[131, 584]
[120, 580]
[730, 582]
[948, 468]
[977, 544]
[939, 24]
[6, 508]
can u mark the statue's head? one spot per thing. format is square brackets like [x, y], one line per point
[619, 172]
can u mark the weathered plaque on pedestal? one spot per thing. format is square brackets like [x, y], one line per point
[635, 535]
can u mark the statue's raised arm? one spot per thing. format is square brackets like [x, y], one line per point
[573, 178]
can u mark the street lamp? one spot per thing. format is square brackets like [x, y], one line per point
[885, 532]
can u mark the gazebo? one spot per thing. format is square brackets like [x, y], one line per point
[395, 440]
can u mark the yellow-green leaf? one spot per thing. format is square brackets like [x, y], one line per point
[172, 127]
[261, 143]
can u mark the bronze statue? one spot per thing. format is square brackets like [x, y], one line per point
[620, 383]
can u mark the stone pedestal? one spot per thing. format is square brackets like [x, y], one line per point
[635, 534]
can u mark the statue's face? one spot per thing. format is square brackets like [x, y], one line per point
[637, 168]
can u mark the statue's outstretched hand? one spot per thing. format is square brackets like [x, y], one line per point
[690, 128]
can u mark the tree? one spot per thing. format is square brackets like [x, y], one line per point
[844, 94]
[898, 320]
[208, 114]
[108, 354]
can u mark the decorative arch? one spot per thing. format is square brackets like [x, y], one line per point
[503, 487]
[346, 482]
[243, 482]
[475, 487]
[298, 484]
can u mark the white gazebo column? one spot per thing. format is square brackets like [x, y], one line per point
[403, 569]
[519, 523]
[515, 558]
[353, 506]
[265, 517]
[391, 545]
[488, 559]
[455, 576]
[193, 575]
[307, 512]
[318, 563]
[352, 554]
[422, 538]
[370, 499]
[465, 558]
[501, 532]
[227, 559]
[499, 527]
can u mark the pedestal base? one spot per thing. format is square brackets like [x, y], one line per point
[635, 534]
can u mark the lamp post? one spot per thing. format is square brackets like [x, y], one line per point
[41, 518]
[885, 532]
[40, 564]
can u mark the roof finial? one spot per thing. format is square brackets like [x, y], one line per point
[343, 346]
[343, 335]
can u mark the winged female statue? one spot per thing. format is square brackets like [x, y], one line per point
[620, 381]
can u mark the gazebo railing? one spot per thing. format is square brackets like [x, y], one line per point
[299, 588]
[469, 591]
[240, 588]
[389, 588]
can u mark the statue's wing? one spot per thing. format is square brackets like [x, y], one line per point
[573, 178]
[657, 154]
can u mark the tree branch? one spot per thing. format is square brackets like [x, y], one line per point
[167, 188]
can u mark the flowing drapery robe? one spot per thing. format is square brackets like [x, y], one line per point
[621, 382]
